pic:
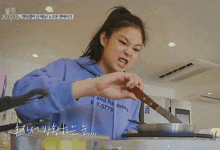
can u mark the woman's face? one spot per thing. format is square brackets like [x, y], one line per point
[121, 50]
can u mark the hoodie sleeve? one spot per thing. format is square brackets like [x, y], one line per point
[131, 125]
[50, 78]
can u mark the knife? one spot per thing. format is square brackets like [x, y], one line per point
[147, 100]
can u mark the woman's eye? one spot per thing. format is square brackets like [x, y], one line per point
[136, 50]
[122, 42]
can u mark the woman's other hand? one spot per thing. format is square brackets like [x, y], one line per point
[132, 131]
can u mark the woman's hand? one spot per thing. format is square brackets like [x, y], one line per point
[109, 86]
[113, 85]
[132, 131]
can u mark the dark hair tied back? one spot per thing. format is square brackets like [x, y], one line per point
[120, 10]
[119, 18]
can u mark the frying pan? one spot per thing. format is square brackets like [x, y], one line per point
[164, 127]
[176, 126]
[167, 128]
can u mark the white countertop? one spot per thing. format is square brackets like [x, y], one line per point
[162, 144]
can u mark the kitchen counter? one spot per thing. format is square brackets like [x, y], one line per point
[161, 144]
[37, 140]
[55, 141]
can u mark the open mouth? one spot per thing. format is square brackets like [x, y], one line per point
[122, 62]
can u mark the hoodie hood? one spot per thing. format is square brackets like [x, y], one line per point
[90, 65]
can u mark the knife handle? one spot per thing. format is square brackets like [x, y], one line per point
[143, 97]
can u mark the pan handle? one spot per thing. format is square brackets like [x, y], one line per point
[8, 102]
[137, 122]
[14, 125]
[43, 94]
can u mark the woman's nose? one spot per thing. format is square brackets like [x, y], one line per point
[128, 51]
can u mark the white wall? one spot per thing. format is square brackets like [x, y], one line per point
[159, 91]
[14, 70]
[206, 114]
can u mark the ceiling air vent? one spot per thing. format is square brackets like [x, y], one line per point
[189, 70]
[179, 69]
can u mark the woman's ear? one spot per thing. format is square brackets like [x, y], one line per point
[103, 38]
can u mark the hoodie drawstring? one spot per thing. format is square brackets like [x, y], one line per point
[93, 114]
[114, 114]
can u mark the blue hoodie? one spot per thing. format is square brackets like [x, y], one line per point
[92, 114]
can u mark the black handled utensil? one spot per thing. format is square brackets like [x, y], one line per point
[14, 125]
[137, 122]
[8, 102]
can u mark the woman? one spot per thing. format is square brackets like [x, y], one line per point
[88, 94]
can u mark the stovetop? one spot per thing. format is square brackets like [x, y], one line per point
[159, 134]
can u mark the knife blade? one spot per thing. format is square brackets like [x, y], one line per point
[147, 100]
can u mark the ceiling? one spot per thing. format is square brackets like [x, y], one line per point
[192, 25]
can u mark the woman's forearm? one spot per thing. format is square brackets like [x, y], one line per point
[83, 88]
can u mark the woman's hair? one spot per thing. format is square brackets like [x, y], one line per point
[119, 18]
